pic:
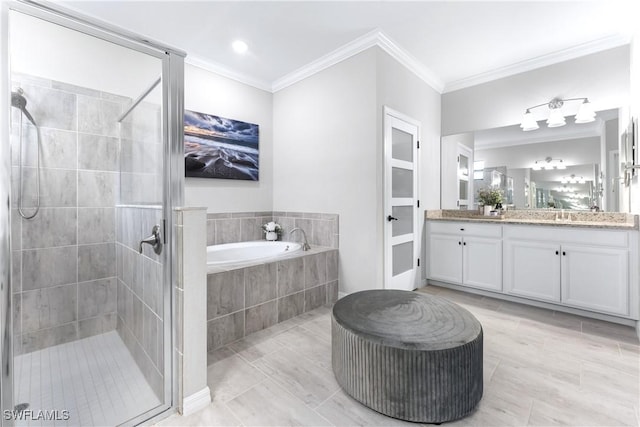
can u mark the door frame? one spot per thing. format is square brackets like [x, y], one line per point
[390, 115]
[173, 188]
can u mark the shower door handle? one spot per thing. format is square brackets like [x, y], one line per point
[154, 240]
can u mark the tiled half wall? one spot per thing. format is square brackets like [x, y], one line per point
[246, 300]
[322, 229]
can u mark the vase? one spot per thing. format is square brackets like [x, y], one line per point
[487, 210]
[271, 235]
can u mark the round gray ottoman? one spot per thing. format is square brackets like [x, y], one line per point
[410, 356]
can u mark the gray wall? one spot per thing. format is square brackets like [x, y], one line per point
[64, 259]
[328, 152]
[603, 77]
[210, 93]
[326, 158]
[578, 151]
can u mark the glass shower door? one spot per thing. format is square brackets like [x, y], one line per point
[89, 147]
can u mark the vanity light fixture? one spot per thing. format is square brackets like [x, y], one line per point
[556, 117]
[573, 179]
[548, 164]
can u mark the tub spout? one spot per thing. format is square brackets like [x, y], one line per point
[305, 245]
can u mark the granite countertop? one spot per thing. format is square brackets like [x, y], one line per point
[602, 220]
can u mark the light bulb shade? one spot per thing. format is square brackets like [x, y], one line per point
[556, 118]
[528, 122]
[585, 113]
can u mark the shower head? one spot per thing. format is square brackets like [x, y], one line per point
[20, 102]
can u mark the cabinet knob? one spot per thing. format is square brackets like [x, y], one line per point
[564, 253]
[465, 243]
[459, 243]
[462, 229]
[557, 252]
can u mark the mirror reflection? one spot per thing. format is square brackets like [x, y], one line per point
[557, 168]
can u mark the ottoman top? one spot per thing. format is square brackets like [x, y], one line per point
[406, 320]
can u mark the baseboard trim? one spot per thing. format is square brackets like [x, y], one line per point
[196, 401]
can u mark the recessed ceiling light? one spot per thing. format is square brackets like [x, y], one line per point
[239, 46]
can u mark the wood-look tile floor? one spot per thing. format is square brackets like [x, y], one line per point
[541, 368]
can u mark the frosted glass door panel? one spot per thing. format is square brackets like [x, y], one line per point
[402, 182]
[402, 145]
[402, 258]
[404, 222]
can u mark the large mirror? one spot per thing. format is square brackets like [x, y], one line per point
[570, 167]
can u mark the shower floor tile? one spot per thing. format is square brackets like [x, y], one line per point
[95, 379]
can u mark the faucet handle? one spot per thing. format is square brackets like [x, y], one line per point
[155, 240]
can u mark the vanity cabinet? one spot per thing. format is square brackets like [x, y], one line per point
[466, 254]
[580, 268]
[595, 278]
[532, 269]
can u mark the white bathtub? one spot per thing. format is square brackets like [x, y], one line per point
[231, 254]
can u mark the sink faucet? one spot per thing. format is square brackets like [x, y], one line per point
[305, 245]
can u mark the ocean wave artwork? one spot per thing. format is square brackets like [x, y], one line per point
[217, 147]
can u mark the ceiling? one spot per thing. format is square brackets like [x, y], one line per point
[454, 44]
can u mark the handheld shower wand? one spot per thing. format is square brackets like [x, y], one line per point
[20, 102]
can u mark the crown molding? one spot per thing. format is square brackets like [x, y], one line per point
[371, 39]
[410, 62]
[584, 49]
[344, 52]
[225, 72]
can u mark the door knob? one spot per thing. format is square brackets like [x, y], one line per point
[391, 218]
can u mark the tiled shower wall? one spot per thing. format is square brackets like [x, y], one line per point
[321, 229]
[140, 294]
[63, 260]
[140, 304]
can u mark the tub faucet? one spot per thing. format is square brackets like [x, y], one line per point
[305, 245]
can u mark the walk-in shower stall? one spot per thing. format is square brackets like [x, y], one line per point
[91, 135]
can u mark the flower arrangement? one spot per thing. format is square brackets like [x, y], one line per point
[272, 230]
[490, 196]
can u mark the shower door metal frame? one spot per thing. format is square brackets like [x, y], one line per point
[173, 183]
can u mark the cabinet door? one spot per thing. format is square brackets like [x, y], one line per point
[532, 269]
[445, 258]
[482, 263]
[596, 278]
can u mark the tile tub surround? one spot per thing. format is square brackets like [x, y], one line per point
[251, 298]
[619, 220]
[64, 269]
[321, 228]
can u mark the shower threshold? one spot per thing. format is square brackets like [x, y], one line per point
[90, 382]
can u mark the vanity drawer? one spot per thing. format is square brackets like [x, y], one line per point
[466, 228]
[588, 236]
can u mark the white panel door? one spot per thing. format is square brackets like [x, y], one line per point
[401, 243]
